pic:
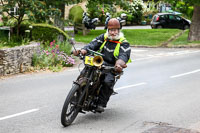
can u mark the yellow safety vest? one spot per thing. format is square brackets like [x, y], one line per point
[117, 48]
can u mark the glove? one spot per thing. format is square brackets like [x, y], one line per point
[83, 51]
[119, 65]
[118, 68]
[77, 52]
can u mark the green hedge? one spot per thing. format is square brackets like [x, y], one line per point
[76, 13]
[1, 24]
[46, 32]
[3, 36]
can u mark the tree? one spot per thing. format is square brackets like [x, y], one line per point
[60, 4]
[32, 8]
[36, 10]
[98, 8]
[194, 34]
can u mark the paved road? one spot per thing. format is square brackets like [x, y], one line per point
[158, 92]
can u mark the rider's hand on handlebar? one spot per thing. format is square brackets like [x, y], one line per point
[83, 52]
[119, 65]
[118, 68]
[77, 52]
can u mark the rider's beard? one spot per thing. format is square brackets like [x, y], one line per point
[116, 37]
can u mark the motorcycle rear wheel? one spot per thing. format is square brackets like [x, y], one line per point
[72, 105]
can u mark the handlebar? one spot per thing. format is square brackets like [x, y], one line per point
[95, 52]
[105, 68]
[108, 67]
[111, 69]
[91, 52]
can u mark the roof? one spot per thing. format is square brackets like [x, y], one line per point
[163, 13]
[173, 13]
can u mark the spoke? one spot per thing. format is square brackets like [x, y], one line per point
[70, 110]
[72, 105]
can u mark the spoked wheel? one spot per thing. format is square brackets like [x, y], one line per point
[72, 105]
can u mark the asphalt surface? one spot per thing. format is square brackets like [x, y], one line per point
[158, 93]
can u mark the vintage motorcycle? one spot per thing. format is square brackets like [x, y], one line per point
[84, 93]
[122, 20]
[88, 22]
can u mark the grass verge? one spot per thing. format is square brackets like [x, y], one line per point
[145, 37]
[183, 40]
[149, 37]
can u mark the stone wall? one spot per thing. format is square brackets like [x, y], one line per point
[17, 59]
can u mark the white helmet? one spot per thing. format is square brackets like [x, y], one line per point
[123, 16]
[107, 14]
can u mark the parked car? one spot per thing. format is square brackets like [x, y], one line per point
[169, 20]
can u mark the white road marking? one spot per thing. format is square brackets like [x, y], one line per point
[188, 52]
[134, 85]
[149, 56]
[18, 114]
[183, 74]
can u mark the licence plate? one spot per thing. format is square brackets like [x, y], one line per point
[89, 60]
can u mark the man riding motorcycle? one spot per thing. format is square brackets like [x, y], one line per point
[117, 53]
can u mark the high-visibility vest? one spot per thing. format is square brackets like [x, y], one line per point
[117, 48]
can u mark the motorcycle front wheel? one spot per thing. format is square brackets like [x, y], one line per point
[72, 105]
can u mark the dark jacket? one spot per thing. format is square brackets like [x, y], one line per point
[108, 50]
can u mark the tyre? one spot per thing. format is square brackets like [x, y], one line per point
[186, 27]
[159, 27]
[72, 104]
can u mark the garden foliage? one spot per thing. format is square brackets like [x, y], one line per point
[46, 32]
[133, 9]
[53, 57]
[98, 10]
[184, 8]
[14, 40]
[75, 14]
